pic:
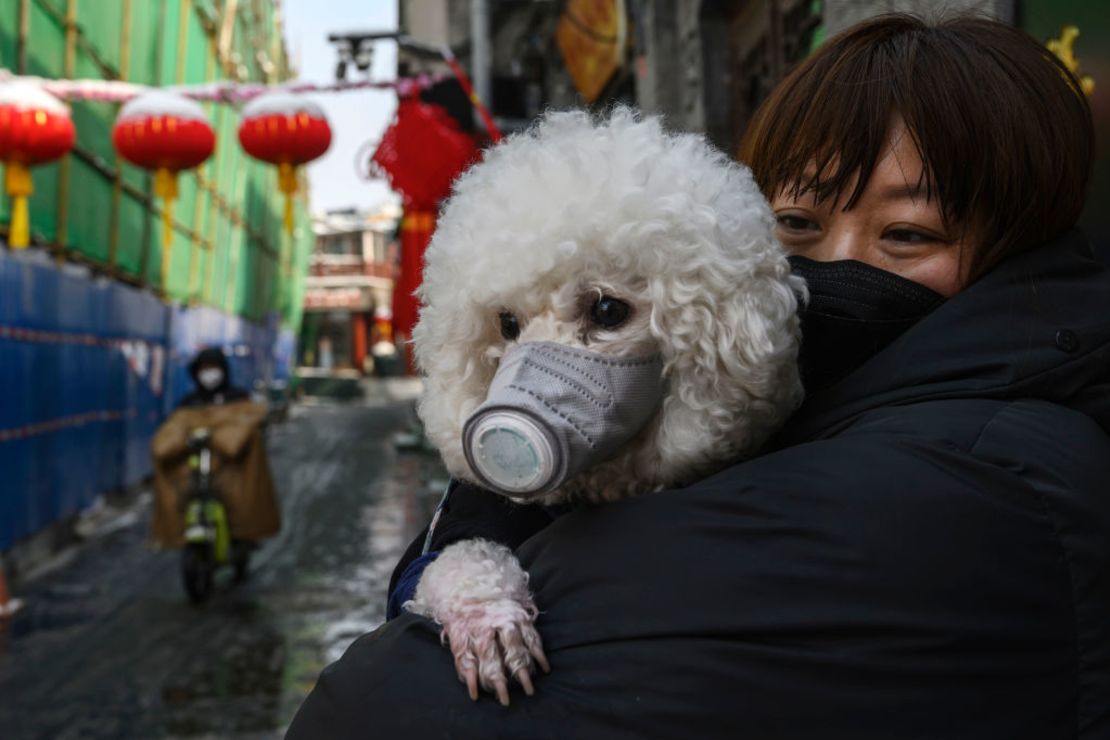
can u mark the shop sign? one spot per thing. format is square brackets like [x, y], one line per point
[355, 299]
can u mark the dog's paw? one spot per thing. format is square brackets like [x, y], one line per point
[477, 591]
[494, 642]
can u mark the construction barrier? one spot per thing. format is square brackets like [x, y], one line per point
[88, 369]
[93, 345]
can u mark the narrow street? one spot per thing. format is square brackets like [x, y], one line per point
[107, 645]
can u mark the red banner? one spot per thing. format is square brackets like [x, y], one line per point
[416, 231]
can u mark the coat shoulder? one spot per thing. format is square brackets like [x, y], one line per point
[1031, 439]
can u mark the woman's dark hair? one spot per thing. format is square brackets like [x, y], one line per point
[1004, 130]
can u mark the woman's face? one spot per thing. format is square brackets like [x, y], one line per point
[892, 226]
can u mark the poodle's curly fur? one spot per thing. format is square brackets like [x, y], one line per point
[578, 207]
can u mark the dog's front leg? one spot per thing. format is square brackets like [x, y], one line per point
[478, 592]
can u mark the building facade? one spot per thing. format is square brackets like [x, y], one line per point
[349, 290]
[94, 346]
[706, 65]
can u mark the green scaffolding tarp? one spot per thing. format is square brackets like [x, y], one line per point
[229, 248]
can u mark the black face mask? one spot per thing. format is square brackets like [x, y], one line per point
[854, 311]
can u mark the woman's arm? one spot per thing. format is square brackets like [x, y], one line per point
[468, 512]
[171, 440]
[233, 426]
[865, 588]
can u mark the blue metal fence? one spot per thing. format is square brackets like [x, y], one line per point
[88, 369]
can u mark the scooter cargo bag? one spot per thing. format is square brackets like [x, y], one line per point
[240, 472]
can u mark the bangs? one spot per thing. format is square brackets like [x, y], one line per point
[1002, 127]
[828, 127]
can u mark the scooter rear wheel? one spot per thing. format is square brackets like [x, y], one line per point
[241, 559]
[196, 572]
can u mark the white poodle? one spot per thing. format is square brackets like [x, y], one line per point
[606, 312]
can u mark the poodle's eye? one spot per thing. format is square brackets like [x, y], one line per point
[609, 313]
[510, 327]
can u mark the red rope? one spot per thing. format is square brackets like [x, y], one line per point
[464, 82]
[19, 334]
[65, 422]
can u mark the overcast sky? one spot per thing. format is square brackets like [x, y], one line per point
[356, 117]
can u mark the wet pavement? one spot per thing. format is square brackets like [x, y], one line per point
[107, 645]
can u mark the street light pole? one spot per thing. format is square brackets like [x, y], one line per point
[480, 49]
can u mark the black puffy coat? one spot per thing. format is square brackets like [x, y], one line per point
[926, 555]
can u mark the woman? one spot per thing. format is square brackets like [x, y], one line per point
[925, 552]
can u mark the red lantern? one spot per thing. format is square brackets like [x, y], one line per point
[422, 153]
[167, 133]
[287, 130]
[34, 128]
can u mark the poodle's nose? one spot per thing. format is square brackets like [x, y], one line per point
[553, 411]
[513, 452]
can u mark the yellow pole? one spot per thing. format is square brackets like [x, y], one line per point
[203, 208]
[17, 181]
[24, 35]
[117, 184]
[69, 66]
[185, 8]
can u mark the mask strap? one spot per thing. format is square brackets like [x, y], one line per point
[435, 517]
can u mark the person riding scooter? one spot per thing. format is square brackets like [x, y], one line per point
[209, 370]
[214, 494]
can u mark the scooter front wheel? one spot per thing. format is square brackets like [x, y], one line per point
[197, 566]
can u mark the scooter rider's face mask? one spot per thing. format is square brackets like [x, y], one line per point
[553, 411]
[210, 378]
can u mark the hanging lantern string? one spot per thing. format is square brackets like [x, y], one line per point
[116, 91]
[464, 82]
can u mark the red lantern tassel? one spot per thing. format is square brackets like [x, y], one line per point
[287, 183]
[17, 182]
[165, 187]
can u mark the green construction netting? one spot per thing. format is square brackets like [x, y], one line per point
[229, 249]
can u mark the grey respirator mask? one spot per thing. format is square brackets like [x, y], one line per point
[552, 411]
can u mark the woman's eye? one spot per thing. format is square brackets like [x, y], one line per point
[909, 236]
[510, 327]
[797, 223]
[609, 313]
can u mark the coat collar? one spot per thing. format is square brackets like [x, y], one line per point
[1037, 326]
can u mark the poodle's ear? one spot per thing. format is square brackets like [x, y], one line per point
[450, 341]
[729, 336]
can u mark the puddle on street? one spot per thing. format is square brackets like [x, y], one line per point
[108, 645]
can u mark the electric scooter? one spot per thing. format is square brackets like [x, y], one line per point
[208, 543]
